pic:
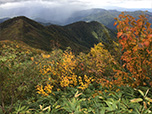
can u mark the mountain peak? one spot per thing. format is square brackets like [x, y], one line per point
[79, 36]
[19, 20]
[23, 29]
[20, 17]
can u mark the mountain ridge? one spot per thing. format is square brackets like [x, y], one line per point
[46, 37]
[106, 17]
[103, 16]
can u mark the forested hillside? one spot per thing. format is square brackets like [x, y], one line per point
[79, 36]
[81, 68]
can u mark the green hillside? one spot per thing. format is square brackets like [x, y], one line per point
[79, 36]
[27, 31]
[90, 32]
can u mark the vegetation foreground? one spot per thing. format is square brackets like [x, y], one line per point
[113, 78]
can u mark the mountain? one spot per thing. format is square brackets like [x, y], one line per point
[42, 21]
[90, 32]
[106, 17]
[103, 16]
[4, 19]
[79, 36]
[25, 30]
[127, 9]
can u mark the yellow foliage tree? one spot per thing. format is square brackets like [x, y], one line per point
[59, 73]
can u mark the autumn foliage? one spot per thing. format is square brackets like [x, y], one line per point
[108, 76]
[60, 72]
[99, 66]
[135, 37]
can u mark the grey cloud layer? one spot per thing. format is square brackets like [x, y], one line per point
[11, 1]
[6, 1]
[46, 9]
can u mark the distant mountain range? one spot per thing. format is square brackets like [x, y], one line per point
[103, 16]
[3, 19]
[80, 36]
[128, 9]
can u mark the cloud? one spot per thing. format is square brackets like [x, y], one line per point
[51, 10]
[60, 10]
[120, 3]
[137, 4]
[59, 1]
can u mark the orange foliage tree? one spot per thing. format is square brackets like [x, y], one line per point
[135, 37]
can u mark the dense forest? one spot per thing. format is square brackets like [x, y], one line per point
[81, 68]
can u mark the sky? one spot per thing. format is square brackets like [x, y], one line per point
[63, 8]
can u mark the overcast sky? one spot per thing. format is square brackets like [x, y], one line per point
[91, 3]
[64, 8]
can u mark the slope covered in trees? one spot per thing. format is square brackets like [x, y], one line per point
[116, 81]
[46, 38]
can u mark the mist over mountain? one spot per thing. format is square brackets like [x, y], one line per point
[63, 12]
[4, 19]
[103, 16]
[106, 17]
[51, 11]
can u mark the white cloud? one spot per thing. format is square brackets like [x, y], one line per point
[95, 3]
[136, 4]
[120, 3]
[61, 9]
